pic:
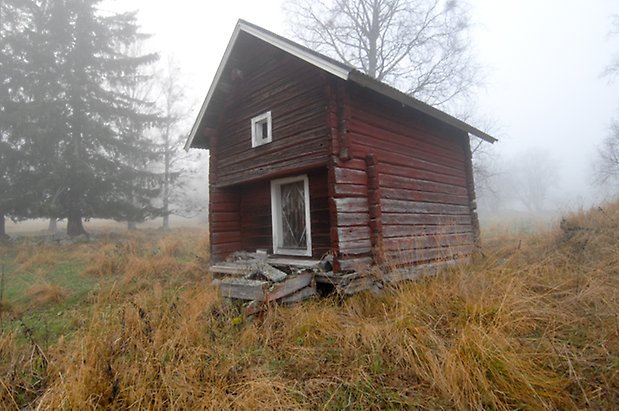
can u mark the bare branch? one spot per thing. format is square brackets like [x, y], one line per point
[418, 46]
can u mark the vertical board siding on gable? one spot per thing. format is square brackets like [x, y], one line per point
[425, 201]
[294, 93]
[255, 206]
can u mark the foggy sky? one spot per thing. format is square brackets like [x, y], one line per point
[542, 61]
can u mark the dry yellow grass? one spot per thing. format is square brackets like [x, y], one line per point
[42, 293]
[534, 324]
[35, 257]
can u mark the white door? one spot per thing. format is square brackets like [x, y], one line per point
[291, 216]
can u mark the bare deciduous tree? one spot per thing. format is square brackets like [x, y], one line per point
[607, 166]
[534, 176]
[418, 46]
[172, 99]
[179, 167]
[487, 174]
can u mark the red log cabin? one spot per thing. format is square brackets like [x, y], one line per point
[310, 157]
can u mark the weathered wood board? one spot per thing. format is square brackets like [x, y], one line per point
[242, 289]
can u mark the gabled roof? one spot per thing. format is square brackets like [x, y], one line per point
[329, 65]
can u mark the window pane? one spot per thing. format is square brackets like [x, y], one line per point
[293, 215]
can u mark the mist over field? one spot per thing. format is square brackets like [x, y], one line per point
[110, 294]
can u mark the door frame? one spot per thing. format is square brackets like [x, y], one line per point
[276, 216]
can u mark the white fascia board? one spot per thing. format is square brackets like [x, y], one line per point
[213, 87]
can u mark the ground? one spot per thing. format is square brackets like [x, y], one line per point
[131, 320]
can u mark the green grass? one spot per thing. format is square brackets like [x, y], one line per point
[46, 321]
[70, 267]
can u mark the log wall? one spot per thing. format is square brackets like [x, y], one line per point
[294, 93]
[262, 78]
[423, 184]
[255, 214]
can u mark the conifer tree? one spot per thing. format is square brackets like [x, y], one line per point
[71, 115]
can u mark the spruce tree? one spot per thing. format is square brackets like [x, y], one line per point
[72, 136]
[99, 169]
[16, 177]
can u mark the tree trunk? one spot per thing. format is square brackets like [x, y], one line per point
[74, 224]
[166, 178]
[166, 222]
[52, 227]
[3, 235]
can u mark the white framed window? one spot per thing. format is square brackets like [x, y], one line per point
[261, 129]
[290, 213]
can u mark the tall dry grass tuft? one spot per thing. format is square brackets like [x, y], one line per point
[32, 257]
[23, 371]
[110, 258]
[42, 293]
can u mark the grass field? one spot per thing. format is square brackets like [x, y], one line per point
[132, 321]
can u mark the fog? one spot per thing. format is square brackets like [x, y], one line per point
[542, 85]
[542, 90]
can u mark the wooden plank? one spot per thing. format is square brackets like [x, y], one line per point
[355, 247]
[403, 230]
[224, 217]
[291, 262]
[235, 269]
[349, 219]
[424, 196]
[353, 233]
[417, 271]
[225, 237]
[271, 273]
[301, 295]
[418, 207]
[427, 241]
[424, 219]
[355, 263]
[412, 172]
[405, 182]
[280, 167]
[351, 205]
[398, 257]
[289, 286]
[350, 176]
[350, 190]
[242, 289]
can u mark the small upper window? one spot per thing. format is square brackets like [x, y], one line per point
[261, 129]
